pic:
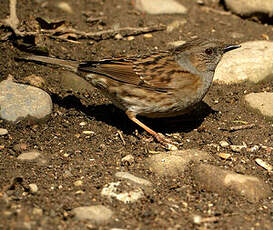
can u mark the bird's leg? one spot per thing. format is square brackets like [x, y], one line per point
[159, 137]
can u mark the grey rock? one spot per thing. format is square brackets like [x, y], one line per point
[18, 101]
[249, 7]
[97, 214]
[262, 103]
[160, 7]
[174, 163]
[215, 179]
[250, 63]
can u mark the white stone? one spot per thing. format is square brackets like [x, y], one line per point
[78, 183]
[248, 7]
[160, 7]
[28, 156]
[261, 102]
[3, 132]
[215, 179]
[128, 159]
[250, 63]
[33, 188]
[174, 163]
[224, 144]
[98, 214]
[116, 190]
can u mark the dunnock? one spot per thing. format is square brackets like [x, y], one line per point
[163, 84]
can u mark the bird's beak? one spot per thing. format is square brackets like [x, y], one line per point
[231, 47]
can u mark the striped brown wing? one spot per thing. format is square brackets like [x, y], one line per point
[158, 72]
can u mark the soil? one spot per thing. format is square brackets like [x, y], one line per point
[95, 159]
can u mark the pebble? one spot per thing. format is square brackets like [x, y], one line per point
[78, 183]
[28, 156]
[33, 188]
[18, 101]
[132, 178]
[65, 7]
[128, 159]
[3, 132]
[250, 63]
[224, 144]
[117, 190]
[160, 7]
[215, 179]
[97, 214]
[261, 102]
[248, 8]
[174, 163]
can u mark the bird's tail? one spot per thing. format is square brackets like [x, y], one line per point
[71, 65]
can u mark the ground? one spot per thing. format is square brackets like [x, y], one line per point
[96, 159]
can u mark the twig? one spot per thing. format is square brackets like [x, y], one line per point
[239, 127]
[121, 137]
[12, 21]
[106, 34]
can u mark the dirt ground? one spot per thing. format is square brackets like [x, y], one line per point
[96, 159]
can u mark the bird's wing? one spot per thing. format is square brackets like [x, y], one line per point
[154, 72]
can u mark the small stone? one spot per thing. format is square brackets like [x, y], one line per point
[160, 7]
[33, 188]
[224, 144]
[147, 35]
[98, 214]
[130, 38]
[118, 36]
[83, 123]
[3, 132]
[37, 211]
[250, 7]
[117, 190]
[215, 179]
[224, 156]
[28, 156]
[88, 132]
[250, 63]
[20, 101]
[78, 183]
[128, 159]
[65, 7]
[261, 102]
[128, 176]
[174, 163]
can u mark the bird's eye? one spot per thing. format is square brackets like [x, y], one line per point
[209, 51]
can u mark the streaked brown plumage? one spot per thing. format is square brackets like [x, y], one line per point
[163, 84]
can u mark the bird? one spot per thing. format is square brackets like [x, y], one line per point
[155, 85]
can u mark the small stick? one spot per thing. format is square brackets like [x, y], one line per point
[121, 137]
